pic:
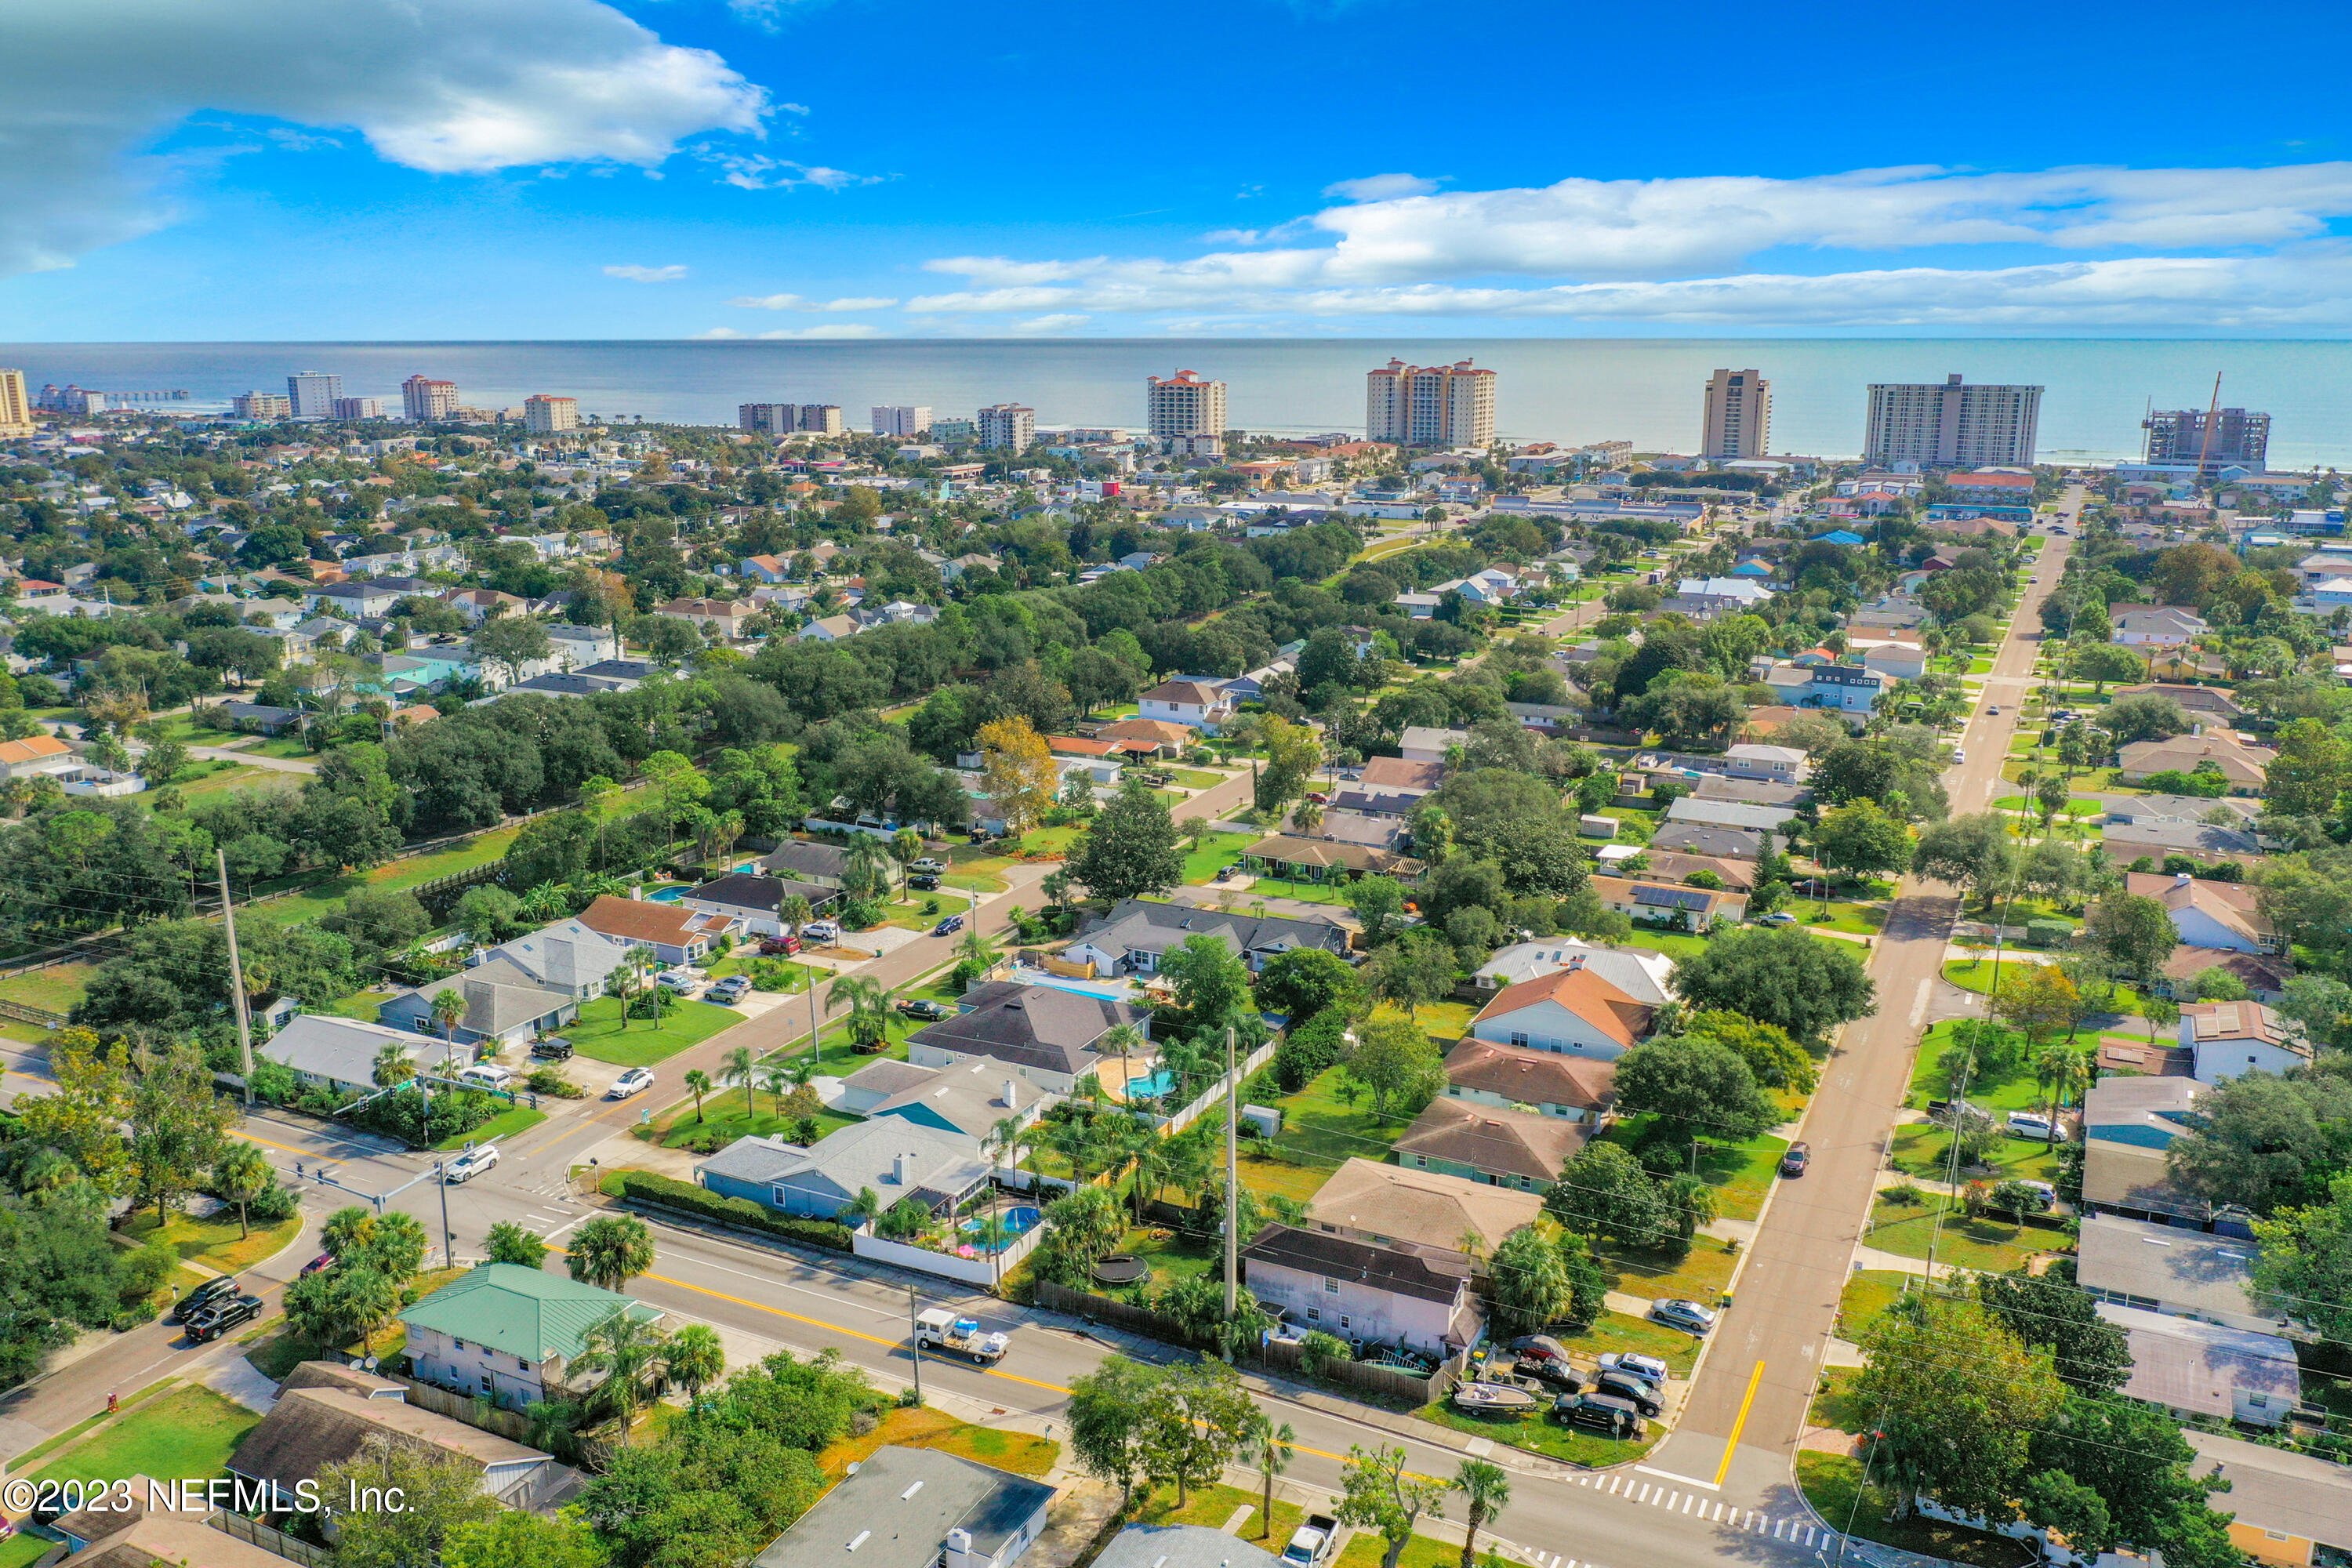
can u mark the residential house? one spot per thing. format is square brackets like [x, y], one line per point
[1773, 764]
[1302, 857]
[2182, 808]
[1518, 1078]
[1041, 1034]
[727, 617]
[1397, 775]
[1666, 865]
[812, 860]
[896, 1158]
[830, 628]
[2264, 975]
[1373, 1201]
[478, 604]
[1149, 737]
[2235, 1038]
[916, 1508]
[1397, 1292]
[1638, 971]
[1742, 814]
[1424, 743]
[1181, 1545]
[1653, 903]
[2242, 766]
[677, 936]
[1203, 707]
[764, 569]
[2163, 626]
[2207, 913]
[257, 717]
[2288, 1509]
[972, 1098]
[1501, 1148]
[1717, 843]
[2162, 1268]
[569, 956]
[341, 1054]
[38, 754]
[2203, 1369]
[1845, 687]
[2127, 842]
[578, 648]
[2208, 703]
[2129, 1123]
[1572, 1010]
[1136, 934]
[312, 1429]
[355, 598]
[504, 1007]
[510, 1334]
[1895, 660]
[755, 903]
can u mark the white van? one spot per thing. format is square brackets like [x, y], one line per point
[487, 1074]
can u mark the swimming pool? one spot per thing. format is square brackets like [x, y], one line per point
[665, 896]
[1017, 1223]
[1151, 1085]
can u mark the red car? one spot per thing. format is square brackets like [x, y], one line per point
[773, 945]
[324, 1260]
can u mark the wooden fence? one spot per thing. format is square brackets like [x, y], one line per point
[477, 1413]
[25, 1014]
[256, 1533]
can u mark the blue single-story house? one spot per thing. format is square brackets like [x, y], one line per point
[896, 1157]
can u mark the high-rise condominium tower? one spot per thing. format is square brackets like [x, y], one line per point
[2239, 439]
[1738, 420]
[1008, 426]
[545, 416]
[1183, 404]
[313, 392]
[1952, 425]
[1430, 405]
[16, 404]
[901, 421]
[422, 399]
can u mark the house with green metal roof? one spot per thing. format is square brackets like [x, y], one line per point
[510, 1334]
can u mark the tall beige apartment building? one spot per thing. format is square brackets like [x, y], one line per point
[1738, 420]
[16, 404]
[422, 399]
[1183, 404]
[1430, 405]
[1952, 425]
[545, 416]
[1007, 427]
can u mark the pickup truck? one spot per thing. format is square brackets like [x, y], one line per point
[941, 1330]
[1310, 1544]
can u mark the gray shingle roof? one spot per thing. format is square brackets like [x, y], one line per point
[896, 1510]
[1031, 1025]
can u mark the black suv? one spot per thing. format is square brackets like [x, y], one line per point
[222, 1314]
[554, 1048]
[1605, 1414]
[1632, 1390]
[202, 1297]
[1553, 1372]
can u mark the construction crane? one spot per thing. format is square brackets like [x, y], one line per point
[2213, 418]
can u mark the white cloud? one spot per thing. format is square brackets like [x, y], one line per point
[716, 335]
[859, 302]
[1686, 250]
[1048, 326]
[637, 274]
[1380, 187]
[444, 86]
[830, 329]
[802, 302]
[758, 171]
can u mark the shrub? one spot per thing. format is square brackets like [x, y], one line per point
[1308, 1049]
[273, 1205]
[1903, 1194]
[645, 1186]
[550, 1080]
[2048, 933]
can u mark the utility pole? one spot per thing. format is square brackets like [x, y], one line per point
[449, 1236]
[235, 979]
[915, 1343]
[1233, 1181]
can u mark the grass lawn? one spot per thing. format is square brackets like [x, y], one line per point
[2013, 1090]
[599, 1035]
[1216, 849]
[1860, 920]
[361, 1005]
[1833, 1485]
[514, 1119]
[1741, 1172]
[1987, 1244]
[200, 780]
[287, 747]
[1867, 1294]
[2076, 805]
[57, 988]
[1420, 1551]
[1317, 1124]
[1048, 840]
[214, 1242]
[1976, 974]
[1673, 944]
[1195, 778]
[723, 1114]
[412, 870]
[1535, 1433]
[1269, 1177]
[1698, 1275]
[23, 1034]
[1922, 1150]
[22, 1551]
[188, 1432]
[1211, 1506]
[1023, 1453]
[1447, 1020]
[1172, 1257]
[978, 867]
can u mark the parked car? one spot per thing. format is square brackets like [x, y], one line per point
[923, 882]
[636, 1080]
[1602, 1413]
[1648, 1367]
[1687, 1316]
[927, 864]
[553, 1048]
[223, 1313]
[1778, 918]
[203, 1296]
[1537, 1347]
[730, 990]
[1794, 1163]
[684, 982]
[949, 926]
[1959, 756]
[2030, 1124]
[470, 1163]
[1553, 1373]
[1635, 1392]
[918, 1007]
[774, 946]
[821, 931]
[487, 1074]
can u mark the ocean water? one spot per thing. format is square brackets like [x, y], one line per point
[1646, 391]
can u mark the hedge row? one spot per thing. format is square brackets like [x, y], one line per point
[671, 1192]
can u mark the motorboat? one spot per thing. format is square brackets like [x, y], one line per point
[1500, 1398]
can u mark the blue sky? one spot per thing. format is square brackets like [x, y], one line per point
[506, 169]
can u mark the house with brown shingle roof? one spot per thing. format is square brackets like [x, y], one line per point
[2208, 913]
[1401, 1291]
[677, 935]
[2235, 1038]
[1516, 1077]
[1148, 737]
[2242, 767]
[1573, 1010]
[310, 1429]
[1304, 857]
[1376, 1202]
[1505, 1148]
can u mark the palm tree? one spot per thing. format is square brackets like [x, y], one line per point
[1076, 1142]
[1305, 817]
[628, 1350]
[1003, 1141]
[740, 1065]
[545, 903]
[393, 1066]
[778, 1079]
[1271, 1449]
[633, 970]
[609, 1250]
[1143, 1144]
[1120, 1040]
[448, 1010]
[1692, 1202]
[698, 1083]
[697, 1359]
[794, 911]
[976, 948]
[241, 1174]
[869, 865]
[867, 1206]
[1488, 1488]
[2057, 1069]
[869, 1010]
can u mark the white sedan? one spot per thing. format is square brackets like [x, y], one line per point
[636, 1080]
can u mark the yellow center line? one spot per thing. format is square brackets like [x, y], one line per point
[1729, 1446]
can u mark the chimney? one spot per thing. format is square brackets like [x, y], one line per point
[1012, 1095]
[2180, 878]
[563, 963]
[1576, 960]
[899, 1169]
